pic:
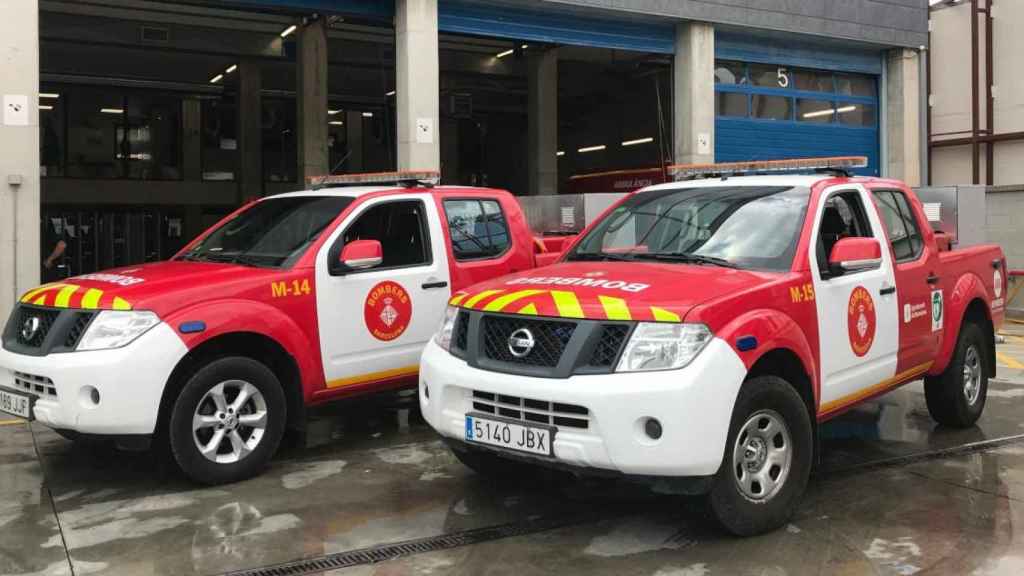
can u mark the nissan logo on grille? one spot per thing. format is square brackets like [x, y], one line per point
[30, 327]
[521, 342]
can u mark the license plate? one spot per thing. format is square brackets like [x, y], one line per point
[505, 434]
[16, 404]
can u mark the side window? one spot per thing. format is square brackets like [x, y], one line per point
[478, 228]
[843, 217]
[904, 235]
[401, 229]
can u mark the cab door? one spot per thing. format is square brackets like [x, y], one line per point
[857, 312]
[374, 323]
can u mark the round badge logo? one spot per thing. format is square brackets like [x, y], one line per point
[387, 310]
[860, 321]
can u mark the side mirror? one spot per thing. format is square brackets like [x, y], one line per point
[854, 255]
[361, 254]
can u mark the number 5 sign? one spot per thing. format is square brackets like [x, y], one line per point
[782, 75]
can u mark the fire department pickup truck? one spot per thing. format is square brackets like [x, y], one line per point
[292, 300]
[699, 331]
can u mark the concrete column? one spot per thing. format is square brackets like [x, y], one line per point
[354, 135]
[902, 116]
[542, 163]
[19, 140]
[694, 93]
[191, 142]
[311, 95]
[250, 130]
[417, 85]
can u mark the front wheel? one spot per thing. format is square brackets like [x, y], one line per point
[957, 396]
[227, 421]
[767, 459]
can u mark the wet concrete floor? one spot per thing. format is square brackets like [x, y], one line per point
[373, 474]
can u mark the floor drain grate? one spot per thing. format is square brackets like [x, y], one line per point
[385, 552]
[938, 454]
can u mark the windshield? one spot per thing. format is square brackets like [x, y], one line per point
[735, 226]
[271, 233]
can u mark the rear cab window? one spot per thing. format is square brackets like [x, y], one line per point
[478, 228]
[900, 223]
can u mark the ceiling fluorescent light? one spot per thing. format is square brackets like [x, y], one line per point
[591, 149]
[846, 109]
[288, 30]
[48, 95]
[112, 110]
[392, 93]
[45, 107]
[505, 53]
[560, 153]
[367, 114]
[216, 78]
[231, 69]
[524, 46]
[333, 112]
[638, 141]
[817, 113]
[337, 122]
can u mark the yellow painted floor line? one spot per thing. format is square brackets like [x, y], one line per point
[1009, 362]
[11, 422]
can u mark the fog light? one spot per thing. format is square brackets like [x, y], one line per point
[652, 428]
[89, 397]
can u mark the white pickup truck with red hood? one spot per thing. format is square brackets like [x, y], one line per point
[698, 333]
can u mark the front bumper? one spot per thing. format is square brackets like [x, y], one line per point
[694, 406]
[129, 382]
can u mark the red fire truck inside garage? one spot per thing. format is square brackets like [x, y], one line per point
[700, 330]
[292, 300]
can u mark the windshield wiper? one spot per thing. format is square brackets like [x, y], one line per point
[597, 257]
[688, 258]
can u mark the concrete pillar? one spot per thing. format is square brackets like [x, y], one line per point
[354, 135]
[191, 142]
[542, 163]
[417, 85]
[19, 140]
[311, 96]
[694, 93]
[902, 116]
[250, 130]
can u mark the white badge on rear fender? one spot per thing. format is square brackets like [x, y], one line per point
[937, 310]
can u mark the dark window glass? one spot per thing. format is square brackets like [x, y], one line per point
[821, 111]
[279, 151]
[856, 114]
[400, 228]
[813, 80]
[855, 85]
[341, 158]
[728, 72]
[149, 136]
[273, 232]
[904, 235]
[52, 102]
[94, 116]
[220, 138]
[478, 228]
[749, 226]
[842, 217]
[771, 76]
[771, 107]
[731, 104]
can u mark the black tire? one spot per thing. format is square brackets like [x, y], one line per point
[947, 394]
[769, 398]
[183, 443]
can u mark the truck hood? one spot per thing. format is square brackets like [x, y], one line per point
[648, 291]
[160, 286]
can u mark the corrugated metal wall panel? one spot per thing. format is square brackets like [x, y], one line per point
[793, 52]
[745, 139]
[378, 9]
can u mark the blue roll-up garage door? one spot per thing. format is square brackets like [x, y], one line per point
[795, 101]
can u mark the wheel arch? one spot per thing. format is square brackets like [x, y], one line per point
[786, 364]
[977, 312]
[967, 301]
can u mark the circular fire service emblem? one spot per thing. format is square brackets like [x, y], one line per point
[387, 310]
[860, 321]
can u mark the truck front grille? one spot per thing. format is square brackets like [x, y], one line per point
[38, 331]
[531, 410]
[33, 384]
[550, 338]
[24, 315]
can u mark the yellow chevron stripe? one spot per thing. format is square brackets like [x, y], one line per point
[64, 296]
[91, 299]
[121, 304]
[615, 308]
[501, 302]
[530, 309]
[32, 293]
[662, 315]
[457, 298]
[472, 301]
[41, 301]
[567, 304]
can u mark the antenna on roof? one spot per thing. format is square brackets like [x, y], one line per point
[405, 179]
[837, 165]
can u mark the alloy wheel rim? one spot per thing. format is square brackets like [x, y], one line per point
[762, 456]
[229, 422]
[972, 375]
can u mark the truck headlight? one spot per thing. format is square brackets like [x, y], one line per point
[444, 334]
[116, 328]
[662, 346]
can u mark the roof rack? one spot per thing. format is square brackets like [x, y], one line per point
[837, 165]
[405, 179]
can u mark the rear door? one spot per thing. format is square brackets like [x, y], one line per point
[374, 323]
[857, 314]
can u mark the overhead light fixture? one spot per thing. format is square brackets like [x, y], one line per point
[367, 114]
[112, 110]
[846, 109]
[48, 95]
[231, 69]
[638, 141]
[505, 53]
[525, 46]
[337, 122]
[586, 149]
[216, 78]
[818, 113]
[288, 30]
[333, 112]
[392, 93]
[45, 107]
[560, 153]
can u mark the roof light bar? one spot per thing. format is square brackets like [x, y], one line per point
[404, 178]
[681, 171]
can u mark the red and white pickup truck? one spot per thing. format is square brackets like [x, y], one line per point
[698, 333]
[291, 301]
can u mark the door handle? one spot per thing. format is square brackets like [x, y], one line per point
[886, 290]
[932, 279]
[429, 285]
